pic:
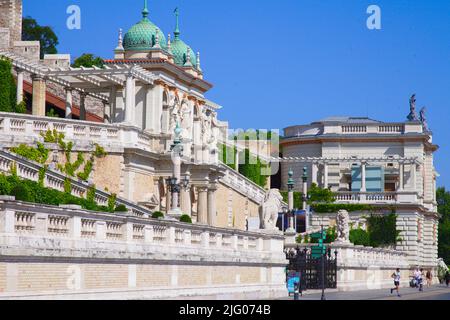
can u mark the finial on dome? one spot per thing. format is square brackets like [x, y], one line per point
[177, 27]
[198, 62]
[188, 58]
[145, 10]
[120, 41]
[169, 44]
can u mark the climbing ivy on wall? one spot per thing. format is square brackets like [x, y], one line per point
[70, 168]
[8, 89]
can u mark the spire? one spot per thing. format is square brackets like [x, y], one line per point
[177, 27]
[157, 45]
[198, 62]
[169, 44]
[120, 41]
[188, 58]
[145, 10]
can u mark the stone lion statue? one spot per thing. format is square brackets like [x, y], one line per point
[270, 209]
[343, 227]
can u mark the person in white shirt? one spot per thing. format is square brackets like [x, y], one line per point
[396, 276]
[419, 278]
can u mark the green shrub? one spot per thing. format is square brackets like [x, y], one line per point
[185, 218]
[22, 193]
[112, 202]
[382, 230]
[5, 185]
[7, 86]
[121, 208]
[360, 237]
[99, 151]
[319, 195]
[38, 154]
[334, 208]
[21, 107]
[157, 215]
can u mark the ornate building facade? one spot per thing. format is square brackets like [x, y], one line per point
[385, 165]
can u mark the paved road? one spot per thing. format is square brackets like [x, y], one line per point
[432, 293]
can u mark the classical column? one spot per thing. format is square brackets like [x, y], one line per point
[314, 172]
[69, 102]
[82, 106]
[402, 177]
[130, 99]
[202, 207]
[39, 90]
[106, 112]
[325, 176]
[112, 104]
[363, 177]
[212, 211]
[19, 85]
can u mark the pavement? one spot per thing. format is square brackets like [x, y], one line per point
[437, 292]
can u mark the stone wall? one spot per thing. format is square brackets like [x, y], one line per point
[11, 18]
[234, 208]
[49, 252]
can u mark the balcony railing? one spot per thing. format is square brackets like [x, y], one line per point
[377, 197]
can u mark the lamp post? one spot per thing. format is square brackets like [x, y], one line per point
[290, 184]
[174, 182]
[305, 197]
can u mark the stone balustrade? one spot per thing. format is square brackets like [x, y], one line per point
[351, 256]
[377, 197]
[29, 170]
[70, 228]
[26, 128]
[243, 185]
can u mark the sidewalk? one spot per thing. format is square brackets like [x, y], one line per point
[440, 291]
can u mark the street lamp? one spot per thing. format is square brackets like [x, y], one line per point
[185, 182]
[290, 184]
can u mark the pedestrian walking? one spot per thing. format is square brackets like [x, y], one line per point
[418, 279]
[429, 277]
[396, 276]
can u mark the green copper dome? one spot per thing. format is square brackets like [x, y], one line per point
[142, 36]
[180, 49]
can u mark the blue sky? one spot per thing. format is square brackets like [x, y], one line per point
[286, 62]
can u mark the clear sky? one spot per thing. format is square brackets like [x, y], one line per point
[280, 63]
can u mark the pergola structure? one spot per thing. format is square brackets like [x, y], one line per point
[99, 83]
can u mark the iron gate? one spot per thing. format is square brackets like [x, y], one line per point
[310, 268]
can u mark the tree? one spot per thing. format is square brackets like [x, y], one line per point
[32, 31]
[88, 60]
[443, 199]
[7, 87]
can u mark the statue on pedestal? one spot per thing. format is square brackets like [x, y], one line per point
[412, 109]
[270, 209]
[343, 227]
[423, 118]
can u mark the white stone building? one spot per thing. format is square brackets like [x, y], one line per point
[388, 165]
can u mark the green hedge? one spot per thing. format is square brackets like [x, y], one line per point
[185, 218]
[360, 237]
[7, 87]
[157, 215]
[33, 192]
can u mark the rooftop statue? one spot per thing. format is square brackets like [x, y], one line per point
[412, 109]
[423, 118]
